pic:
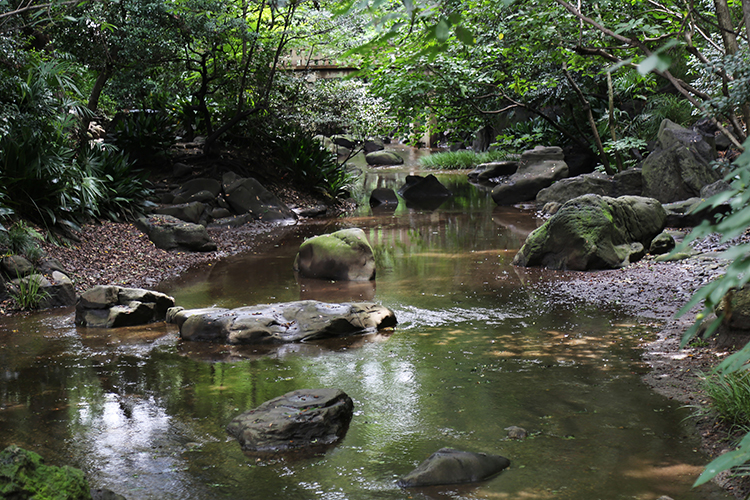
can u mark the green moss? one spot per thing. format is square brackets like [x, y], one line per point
[23, 475]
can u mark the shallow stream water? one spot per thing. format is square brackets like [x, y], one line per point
[476, 350]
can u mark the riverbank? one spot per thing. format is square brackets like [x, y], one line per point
[116, 253]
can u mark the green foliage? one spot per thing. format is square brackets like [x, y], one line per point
[659, 107]
[20, 239]
[309, 163]
[526, 134]
[144, 135]
[42, 122]
[28, 292]
[123, 189]
[334, 106]
[449, 160]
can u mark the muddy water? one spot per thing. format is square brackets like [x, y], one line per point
[476, 350]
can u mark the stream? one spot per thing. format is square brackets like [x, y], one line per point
[477, 349]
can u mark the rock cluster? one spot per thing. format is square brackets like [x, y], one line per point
[112, 307]
[53, 287]
[300, 321]
[186, 211]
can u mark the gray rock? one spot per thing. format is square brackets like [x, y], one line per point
[170, 233]
[662, 243]
[714, 188]
[383, 197]
[248, 196]
[424, 192]
[594, 232]
[449, 466]
[628, 183]
[113, 306]
[181, 170]
[685, 213]
[344, 140]
[383, 158]
[738, 312]
[16, 266]
[307, 419]
[50, 265]
[573, 187]
[59, 292]
[204, 196]
[537, 169]
[492, 170]
[679, 166]
[282, 323]
[372, 145]
[344, 255]
[193, 186]
[188, 212]
[515, 432]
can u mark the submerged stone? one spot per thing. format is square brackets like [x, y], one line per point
[449, 466]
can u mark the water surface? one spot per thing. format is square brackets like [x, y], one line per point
[476, 350]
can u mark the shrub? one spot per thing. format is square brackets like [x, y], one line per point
[309, 163]
[145, 135]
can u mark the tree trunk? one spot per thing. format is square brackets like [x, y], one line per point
[592, 122]
[729, 37]
[96, 92]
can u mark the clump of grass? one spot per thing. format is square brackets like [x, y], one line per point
[28, 292]
[459, 160]
[730, 396]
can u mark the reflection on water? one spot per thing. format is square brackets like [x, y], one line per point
[475, 352]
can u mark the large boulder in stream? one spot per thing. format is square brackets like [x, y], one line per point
[449, 466]
[285, 322]
[679, 166]
[24, 475]
[537, 169]
[344, 255]
[303, 420]
[594, 232]
[109, 306]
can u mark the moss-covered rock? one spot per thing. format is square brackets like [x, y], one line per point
[594, 232]
[23, 475]
[344, 255]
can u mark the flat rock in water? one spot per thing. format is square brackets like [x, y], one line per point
[449, 466]
[282, 323]
[300, 420]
